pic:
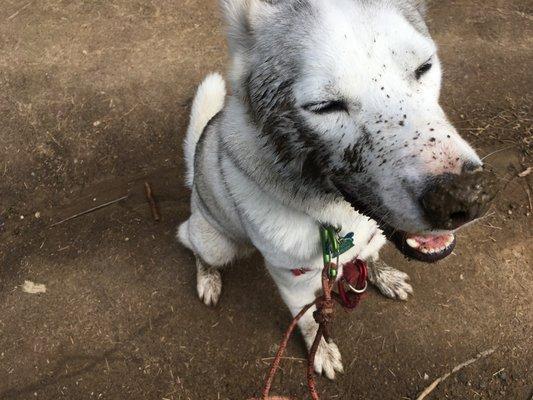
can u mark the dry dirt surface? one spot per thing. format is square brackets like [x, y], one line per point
[94, 100]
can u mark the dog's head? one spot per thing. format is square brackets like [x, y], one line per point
[346, 95]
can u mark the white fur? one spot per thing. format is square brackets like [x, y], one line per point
[328, 359]
[390, 282]
[208, 101]
[208, 283]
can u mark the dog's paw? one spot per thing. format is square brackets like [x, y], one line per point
[208, 285]
[391, 282]
[328, 359]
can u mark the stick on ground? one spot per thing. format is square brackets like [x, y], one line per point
[19, 11]
[151, 201]
[90, 210]
[436, 382]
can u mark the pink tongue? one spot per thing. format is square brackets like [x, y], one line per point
[431, 241]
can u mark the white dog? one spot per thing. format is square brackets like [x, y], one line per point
[334, 118]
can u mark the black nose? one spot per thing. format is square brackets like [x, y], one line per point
[452, 200]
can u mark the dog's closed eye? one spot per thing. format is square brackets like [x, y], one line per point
[423, 69]
[326, 107]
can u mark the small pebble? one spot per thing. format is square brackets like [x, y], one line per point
[37, 214]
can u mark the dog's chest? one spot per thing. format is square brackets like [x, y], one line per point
[290, 239]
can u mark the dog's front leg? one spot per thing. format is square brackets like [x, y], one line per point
[297, 292]
[390, 281]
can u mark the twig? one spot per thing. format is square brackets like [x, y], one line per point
[436, 382]
[284, 358]
[151, 201]
[90, 210]
[19, 10]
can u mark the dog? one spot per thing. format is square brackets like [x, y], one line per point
[334, 118]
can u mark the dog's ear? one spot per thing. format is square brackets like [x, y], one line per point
[421, 6]
[243, 17]
[415, 12]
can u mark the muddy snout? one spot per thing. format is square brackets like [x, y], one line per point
[453, 200]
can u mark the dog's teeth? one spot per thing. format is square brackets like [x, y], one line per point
[412, 243]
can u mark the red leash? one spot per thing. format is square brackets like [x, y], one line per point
[351, 286]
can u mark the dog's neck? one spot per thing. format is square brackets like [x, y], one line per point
[251, 153]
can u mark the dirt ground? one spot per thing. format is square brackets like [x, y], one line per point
[94, 100]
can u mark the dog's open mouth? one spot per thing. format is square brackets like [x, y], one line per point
[424, 247]
[428, 247]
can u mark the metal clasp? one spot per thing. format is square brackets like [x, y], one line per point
[355, 290]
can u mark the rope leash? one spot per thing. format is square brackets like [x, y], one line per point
[351, 286]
